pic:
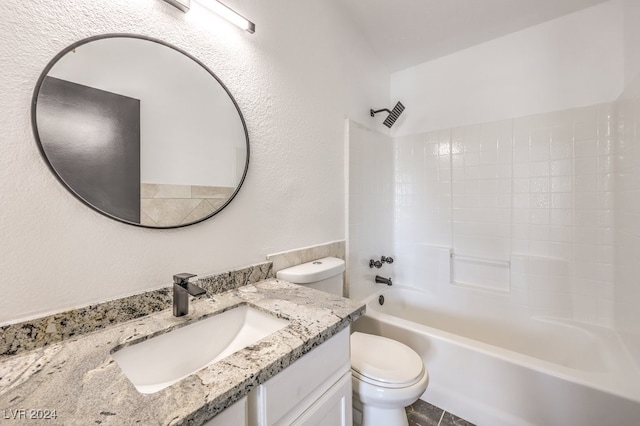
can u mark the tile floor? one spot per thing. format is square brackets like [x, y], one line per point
[424, 414]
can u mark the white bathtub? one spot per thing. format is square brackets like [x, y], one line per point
[533, 371]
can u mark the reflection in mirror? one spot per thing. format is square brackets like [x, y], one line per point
[140, 131]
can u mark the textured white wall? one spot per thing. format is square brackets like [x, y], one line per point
[294, 80]
[576, 60]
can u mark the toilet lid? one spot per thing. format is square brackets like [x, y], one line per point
[385, 361]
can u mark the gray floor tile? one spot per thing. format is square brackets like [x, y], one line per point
[422, 413]
[451, 420]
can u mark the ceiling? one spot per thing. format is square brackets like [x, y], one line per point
[404, 33]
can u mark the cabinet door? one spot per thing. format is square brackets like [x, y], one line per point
[290, 393]
[331, 409]
[235, 415]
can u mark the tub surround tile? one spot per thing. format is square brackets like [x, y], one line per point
[81, 381]
[24, 336]
[363, 290]
[290, 258]
[539, 186]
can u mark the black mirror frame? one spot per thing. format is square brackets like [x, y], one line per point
[34, 124]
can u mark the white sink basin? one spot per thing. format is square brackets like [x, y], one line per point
[163, 360]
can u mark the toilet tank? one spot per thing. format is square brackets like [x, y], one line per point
[322, 274]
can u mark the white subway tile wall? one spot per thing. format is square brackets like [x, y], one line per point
[526, 207]
[535, 193]
[554, 196]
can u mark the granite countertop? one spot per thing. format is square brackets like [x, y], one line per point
[79, 379]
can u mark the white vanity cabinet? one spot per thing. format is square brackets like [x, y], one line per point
[235, 415]
[314, 390]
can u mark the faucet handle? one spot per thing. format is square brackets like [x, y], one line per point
[375, 263]
[183, 278]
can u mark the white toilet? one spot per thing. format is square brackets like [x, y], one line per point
[386, 375]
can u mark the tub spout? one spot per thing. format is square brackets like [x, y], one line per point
[383, 280]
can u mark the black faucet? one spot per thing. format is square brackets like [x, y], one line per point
[182, 288]
[383, 280]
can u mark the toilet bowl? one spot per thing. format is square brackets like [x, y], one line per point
[387, 375]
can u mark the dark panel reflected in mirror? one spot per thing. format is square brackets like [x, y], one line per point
[140, 131]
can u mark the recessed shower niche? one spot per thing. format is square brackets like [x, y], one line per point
[140, 131]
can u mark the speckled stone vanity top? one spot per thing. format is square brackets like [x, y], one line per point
[79, 379]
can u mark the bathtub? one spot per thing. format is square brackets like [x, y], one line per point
[528, 371]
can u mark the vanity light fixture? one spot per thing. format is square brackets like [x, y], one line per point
[183, 5]
[229, 14]
[215, 6]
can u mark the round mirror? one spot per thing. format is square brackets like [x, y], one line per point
[140, 131]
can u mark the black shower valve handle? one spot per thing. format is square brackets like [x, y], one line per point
[378, 263]
[375, 263]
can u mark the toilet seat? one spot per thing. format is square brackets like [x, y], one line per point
[384, 362]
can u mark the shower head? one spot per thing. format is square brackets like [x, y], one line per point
[393, 115]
